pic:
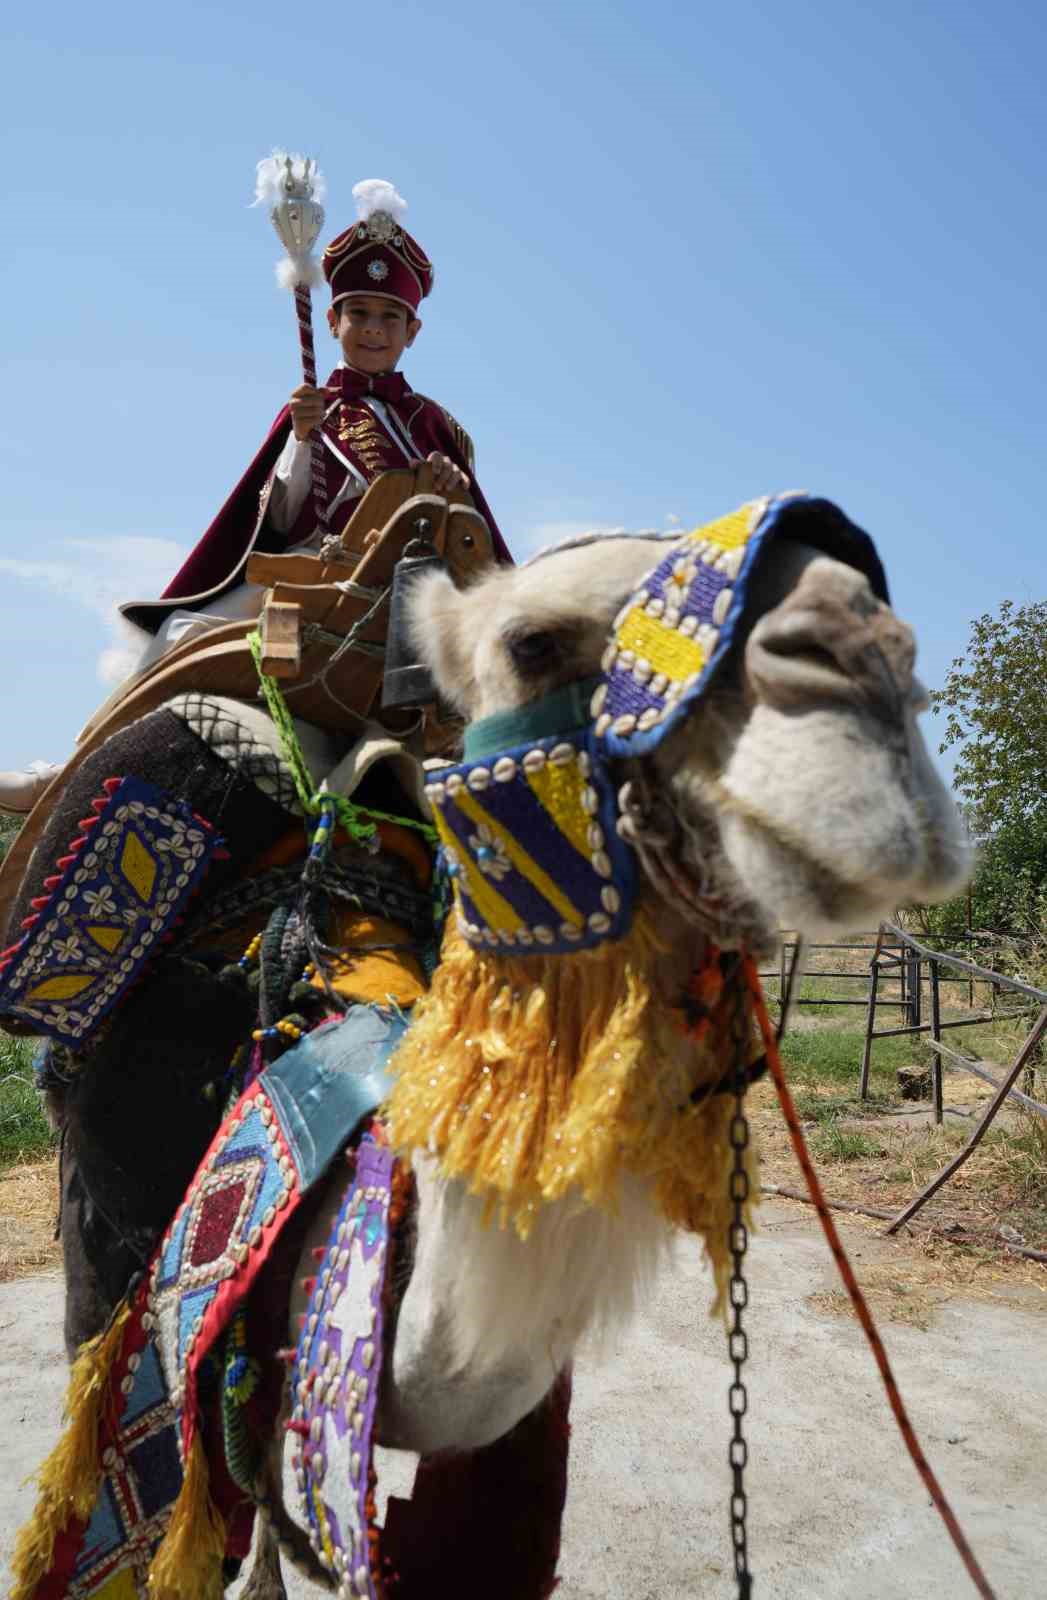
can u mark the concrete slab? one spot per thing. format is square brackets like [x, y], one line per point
[835, 1505]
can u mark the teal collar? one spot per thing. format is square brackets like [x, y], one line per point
[560, 712]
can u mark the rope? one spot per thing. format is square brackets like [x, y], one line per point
[360, 822]
[854, 1291]
[350, 641]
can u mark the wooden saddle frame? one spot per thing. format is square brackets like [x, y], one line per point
[323, 624]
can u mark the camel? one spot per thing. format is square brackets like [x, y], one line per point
[799, 795]
[794, 790]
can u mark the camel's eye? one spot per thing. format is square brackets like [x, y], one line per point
[536, 652]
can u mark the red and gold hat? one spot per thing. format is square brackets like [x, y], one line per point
[377, 255]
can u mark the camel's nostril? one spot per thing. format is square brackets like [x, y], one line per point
[788, 668]
[831, 642]
[802, 652]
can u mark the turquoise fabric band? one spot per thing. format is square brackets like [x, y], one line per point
[560, 712]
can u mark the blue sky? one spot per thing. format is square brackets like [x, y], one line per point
[682, 260]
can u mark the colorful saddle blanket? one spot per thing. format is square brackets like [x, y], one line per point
[140, 1497]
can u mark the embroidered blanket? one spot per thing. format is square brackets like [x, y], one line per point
[145, 1487]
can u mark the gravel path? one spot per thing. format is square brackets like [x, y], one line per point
[835, 1506]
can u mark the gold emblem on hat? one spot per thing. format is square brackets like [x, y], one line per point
[381, 228]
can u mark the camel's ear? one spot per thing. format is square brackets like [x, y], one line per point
[436, 618]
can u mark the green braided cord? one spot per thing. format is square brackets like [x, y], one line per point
[358, 821]
[240, 1375]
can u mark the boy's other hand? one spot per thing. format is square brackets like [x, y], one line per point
[308, 406]
[446, 476]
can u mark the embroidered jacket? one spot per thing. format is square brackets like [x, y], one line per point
[372, 425]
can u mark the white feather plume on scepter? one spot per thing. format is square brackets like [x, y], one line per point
[292, 187]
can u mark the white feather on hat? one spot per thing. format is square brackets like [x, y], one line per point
[377, 194]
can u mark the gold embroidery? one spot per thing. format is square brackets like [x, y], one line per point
[463, 443]
[367, 440]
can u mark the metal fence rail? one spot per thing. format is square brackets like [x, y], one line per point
[870, 943]
[915, 956]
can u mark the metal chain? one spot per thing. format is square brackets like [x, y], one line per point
[737, 1338]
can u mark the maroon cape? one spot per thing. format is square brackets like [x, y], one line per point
[365, 435]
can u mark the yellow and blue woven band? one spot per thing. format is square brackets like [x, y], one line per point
[671, 637]
[530, 842]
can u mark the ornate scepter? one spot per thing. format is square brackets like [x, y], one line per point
[292, 187]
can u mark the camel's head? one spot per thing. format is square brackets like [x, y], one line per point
[753, 695]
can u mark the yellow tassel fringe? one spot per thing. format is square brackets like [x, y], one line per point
[69, 1478]
[532, 1076]
[189, 1560]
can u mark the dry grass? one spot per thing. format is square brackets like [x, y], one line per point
[916, 1275]
[28, 1206]
[868, 1154]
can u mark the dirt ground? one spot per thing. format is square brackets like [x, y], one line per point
[28, 1209]
[835, 1505]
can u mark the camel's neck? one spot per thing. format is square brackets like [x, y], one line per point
[535, 1087]
[489, 1320]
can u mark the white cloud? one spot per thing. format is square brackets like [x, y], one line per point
[97, 575]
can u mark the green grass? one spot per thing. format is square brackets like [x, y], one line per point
[834, 1055]
[838, 1144]
[24, 1133]
[826, 1109]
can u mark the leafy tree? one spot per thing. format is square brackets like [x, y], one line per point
[996, 712]
[995, 706]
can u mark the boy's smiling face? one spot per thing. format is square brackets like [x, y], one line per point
[373, 331]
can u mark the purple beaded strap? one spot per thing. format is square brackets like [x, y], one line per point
[337, 1374]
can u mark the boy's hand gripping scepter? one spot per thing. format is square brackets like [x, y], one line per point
[292, 187]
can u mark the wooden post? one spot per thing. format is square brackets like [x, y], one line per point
[937, 1070]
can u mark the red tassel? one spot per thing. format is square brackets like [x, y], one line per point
[111, 785]
[319, 1251]
[220, 853]
[65, 862]
[288, 1355]
[40, 902]
[308, 1285]
[87, 823]
[5, 955]
[302, 1320]
[301, 1428]
[30, 922]
[53, 881]
[77, 845]
[100, 804]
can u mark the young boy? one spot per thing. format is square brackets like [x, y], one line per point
[370, 421]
